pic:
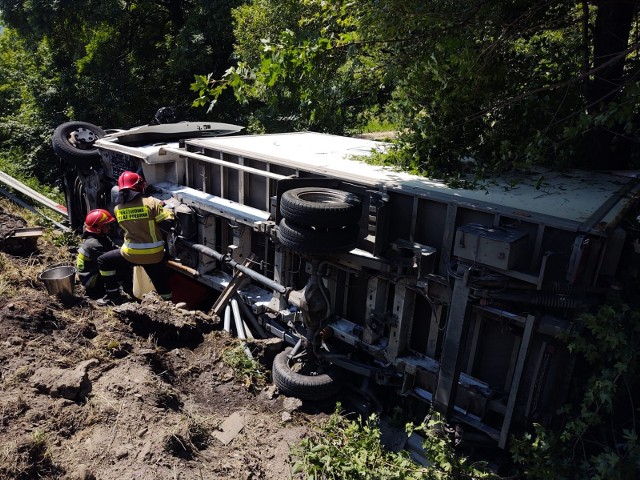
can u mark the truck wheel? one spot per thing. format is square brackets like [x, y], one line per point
[317, 240]
[78, 204]
[73, 143]
[301, 380]
[320, 207]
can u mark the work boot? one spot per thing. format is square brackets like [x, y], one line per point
[111, 298]
[127, 288]
[166, 296]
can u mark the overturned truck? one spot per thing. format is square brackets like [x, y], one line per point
[397, 287]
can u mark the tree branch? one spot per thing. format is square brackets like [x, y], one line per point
[504, 103]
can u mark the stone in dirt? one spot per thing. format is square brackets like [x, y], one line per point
[290, 404]
[82, 472]
[72, 384]
[230, 428]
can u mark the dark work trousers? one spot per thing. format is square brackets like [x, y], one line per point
[114, 261]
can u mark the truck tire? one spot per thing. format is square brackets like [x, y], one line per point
[78, 204]
[320, 207]
[305, 387]
[73, 143]
[300, 238]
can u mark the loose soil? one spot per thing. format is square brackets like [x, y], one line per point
[139, 391]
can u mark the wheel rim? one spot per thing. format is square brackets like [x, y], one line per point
[82, 138]
[305, 367]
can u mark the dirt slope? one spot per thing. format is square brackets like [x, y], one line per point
[89, 392]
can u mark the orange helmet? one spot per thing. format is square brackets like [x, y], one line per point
[131, 181]
[95, 219]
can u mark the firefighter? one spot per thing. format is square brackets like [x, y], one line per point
[95, 241]
[140, 217]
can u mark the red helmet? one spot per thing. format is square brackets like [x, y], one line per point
[131, 181]
[95, 219]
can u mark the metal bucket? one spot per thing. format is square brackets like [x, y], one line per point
[59, 281]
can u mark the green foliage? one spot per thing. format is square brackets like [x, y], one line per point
[245, 369]
[115, 63]
[375, 122]
[66, 239]
[110, 63]
[599, 439]
[24, 136]
[499, 82]
[352, 449]
[302, 69]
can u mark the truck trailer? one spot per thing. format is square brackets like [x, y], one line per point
[401, 289]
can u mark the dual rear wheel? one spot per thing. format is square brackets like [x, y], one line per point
[318, 220]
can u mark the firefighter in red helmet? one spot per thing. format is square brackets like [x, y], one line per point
[131, 181]
[140, 217]
[95, 242]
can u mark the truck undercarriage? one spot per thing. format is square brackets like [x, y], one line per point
[395, 286]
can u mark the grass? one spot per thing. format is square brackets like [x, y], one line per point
[14, 408]
[28, 458]
[11, 208]
[378, 125]
[20, 375]
[15, 277]
[188, 437]
[245, 369]
[352, 449]
[53, 193]
[11, 166]
[23, 373]
[23, 272]
[32, 219]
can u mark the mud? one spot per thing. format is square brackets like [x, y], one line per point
[158, 394]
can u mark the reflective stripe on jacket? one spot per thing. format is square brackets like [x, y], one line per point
[139, 218]
[89, 250]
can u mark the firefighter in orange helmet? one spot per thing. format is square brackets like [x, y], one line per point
[140, 217]
[95, 242]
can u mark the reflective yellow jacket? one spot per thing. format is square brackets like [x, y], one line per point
[139, 218]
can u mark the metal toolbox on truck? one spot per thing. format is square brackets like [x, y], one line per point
[495, 247]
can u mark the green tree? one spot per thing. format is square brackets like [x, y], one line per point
[599, 439]
[300, 66]
[26, 89]
[508, 84]
[117, 62]
[109, 62]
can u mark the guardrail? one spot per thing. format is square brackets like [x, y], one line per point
[38, 197]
